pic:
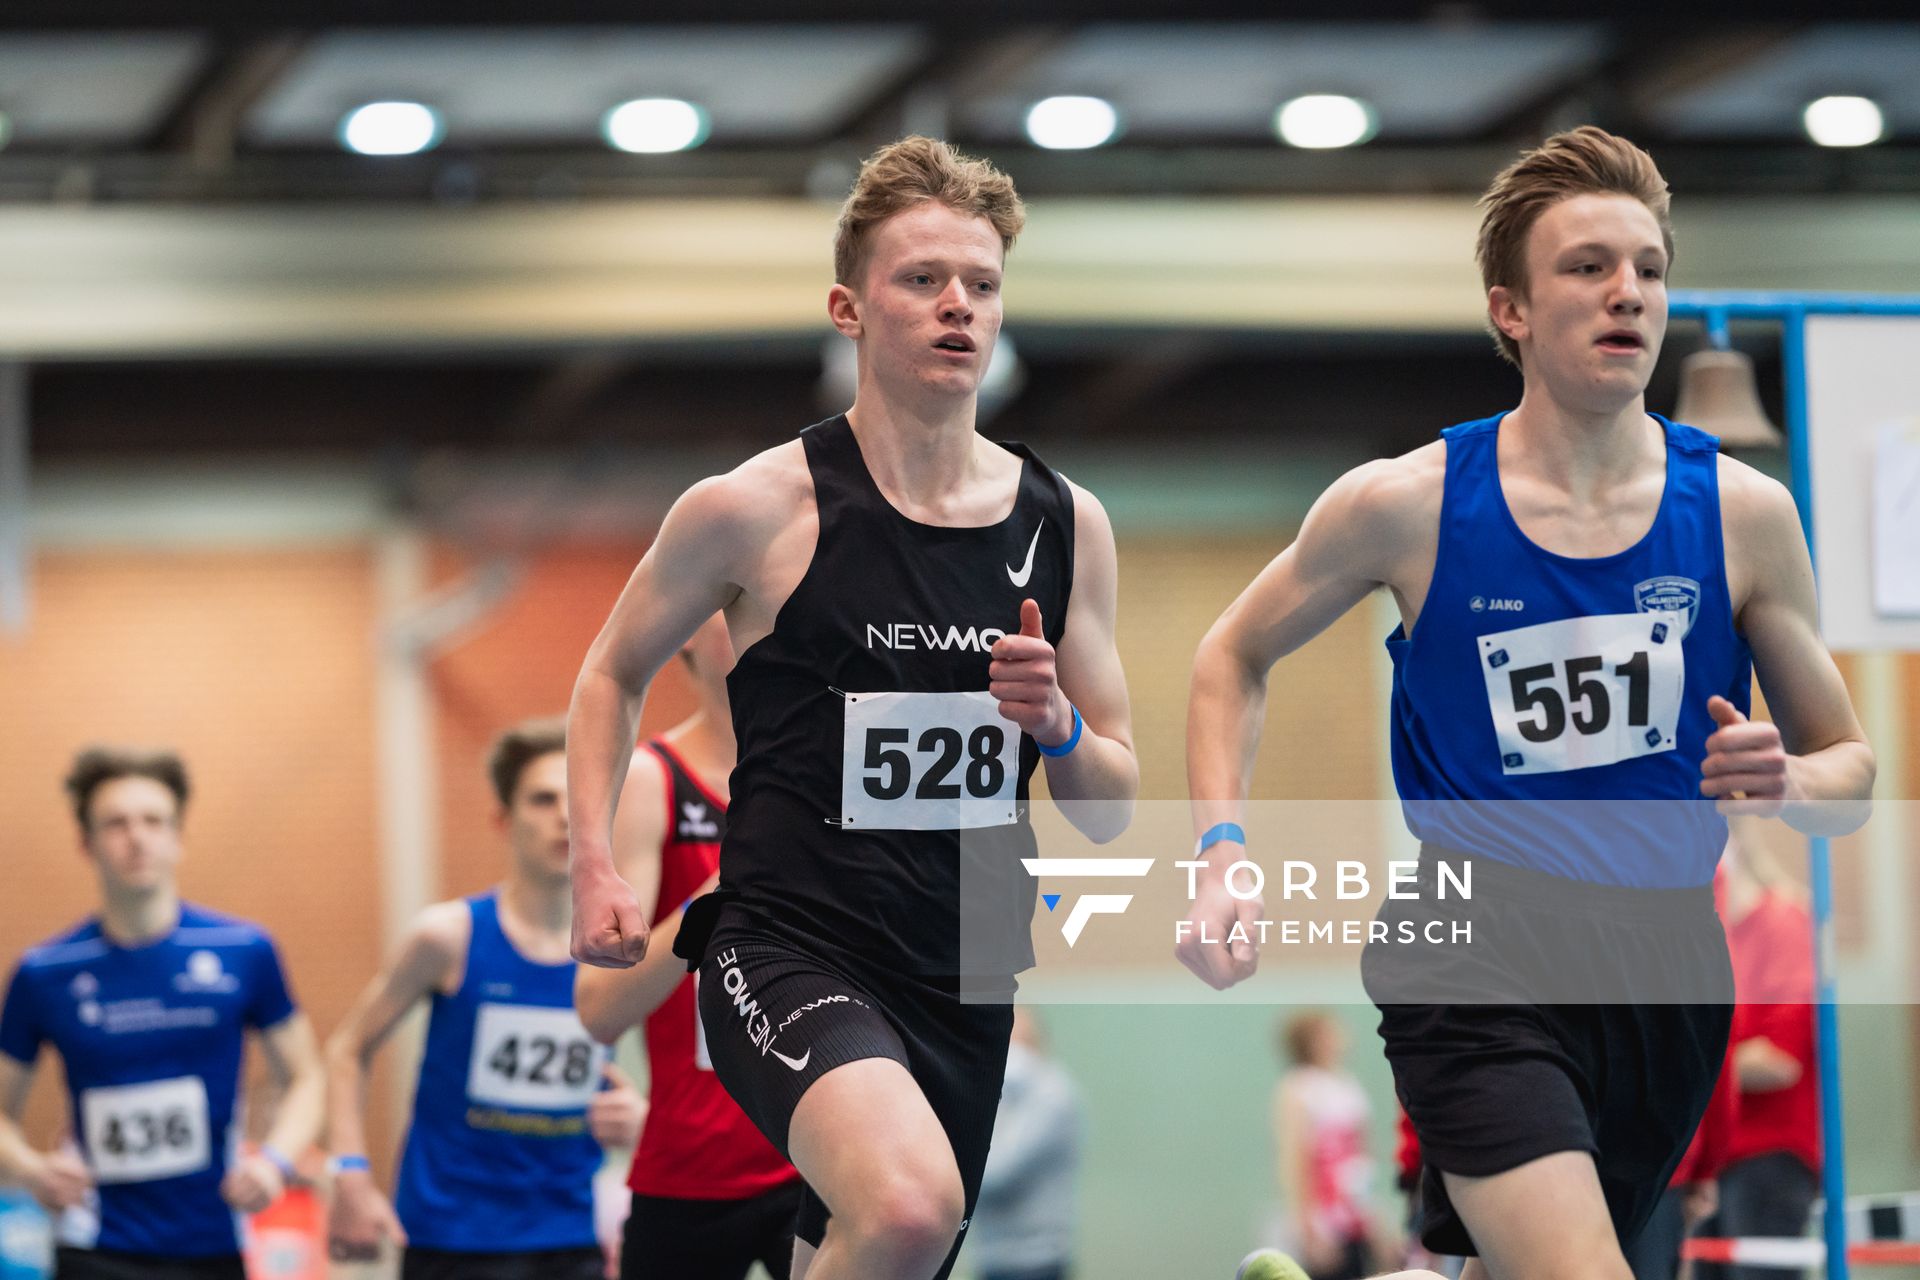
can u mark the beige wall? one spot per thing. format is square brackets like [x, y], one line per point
[258, 668]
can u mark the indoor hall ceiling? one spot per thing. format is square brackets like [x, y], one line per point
[220, 111]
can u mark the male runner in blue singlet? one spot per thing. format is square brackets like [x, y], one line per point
[920, 616]
[147, 1004]
[496, 1182]
[1584, 590]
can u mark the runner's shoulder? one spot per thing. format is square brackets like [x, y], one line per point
[754, 500]
[441, 931]
[1753, 504]
[1390, 502]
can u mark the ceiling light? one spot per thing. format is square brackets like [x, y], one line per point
[390, 129]
[653, 126]
[1071, 123]
[1844, 121]
[1322, 121]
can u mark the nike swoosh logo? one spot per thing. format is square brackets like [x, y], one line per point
[799, 1063]
[1019, 579]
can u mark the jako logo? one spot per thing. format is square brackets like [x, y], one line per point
[1092, 904]
[918, 635]
[1495, 605]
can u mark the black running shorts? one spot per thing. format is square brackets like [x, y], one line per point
[778, 1016]
[1492, 1080]
[586, 1263]
[99, 1264]
[670, 1238]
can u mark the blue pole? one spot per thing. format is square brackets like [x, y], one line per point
[1833, 1143]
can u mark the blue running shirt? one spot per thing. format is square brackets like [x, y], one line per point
[1551, 687]
[151, 1038]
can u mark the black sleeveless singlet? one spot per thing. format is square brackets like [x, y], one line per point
[873, 762]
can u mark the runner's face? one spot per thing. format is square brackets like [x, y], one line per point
[537, 821]
[1595, 310]
[929, 305]
[133, 834]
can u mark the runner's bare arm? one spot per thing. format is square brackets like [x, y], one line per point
[611, 1000]
[692, 570]
[57, 1179]
[1815, 769]
[1351, 542]
[1366, 530]
[1103, 767]
[431, 957]
[292, 1051]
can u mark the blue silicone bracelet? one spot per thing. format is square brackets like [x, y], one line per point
[1220, 831]
[1069, 744]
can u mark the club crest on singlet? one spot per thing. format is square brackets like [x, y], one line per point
[1583, 692]
[1672, 593]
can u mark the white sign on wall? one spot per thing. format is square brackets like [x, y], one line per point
[1863, 428]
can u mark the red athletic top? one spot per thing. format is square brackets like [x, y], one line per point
[1707, 1153]
[697, 1143]
[1773, 982]
[1406, 1155]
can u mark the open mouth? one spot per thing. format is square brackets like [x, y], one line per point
[954, 342]
[1621, 342]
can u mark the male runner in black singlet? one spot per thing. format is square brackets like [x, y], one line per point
[920, 615]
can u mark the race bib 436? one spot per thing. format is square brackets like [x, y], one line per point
[1584, 692]
[142, 1132]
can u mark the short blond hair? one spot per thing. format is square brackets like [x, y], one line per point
[908, 172]
[1583, 161]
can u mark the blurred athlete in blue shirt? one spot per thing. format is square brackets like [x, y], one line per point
[147, 1004]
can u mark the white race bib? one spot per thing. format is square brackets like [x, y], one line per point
[1585, 692]
[143, 1132]
[532, 1057]
[928, 762]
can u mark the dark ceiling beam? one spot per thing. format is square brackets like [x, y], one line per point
[1681, 65]
[922, 96]
[1777, 168]
[1117, 391]
[250, 15]
[1635, 74]
[562, 395]
[205, 118]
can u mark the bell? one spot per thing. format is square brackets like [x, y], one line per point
[1718, 394]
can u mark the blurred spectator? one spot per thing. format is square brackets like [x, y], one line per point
[1692, 1193]
[1406, 1177]
[1320, 1123]
[1023, 1225]
[1772, 1172]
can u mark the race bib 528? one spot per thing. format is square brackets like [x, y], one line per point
[1584, 692]
[928, 762]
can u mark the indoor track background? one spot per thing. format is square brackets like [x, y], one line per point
[323, 468]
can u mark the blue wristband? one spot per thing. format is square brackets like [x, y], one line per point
[349, 1164]
[1069, 744]
[273, 1157]
[1220, 831]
